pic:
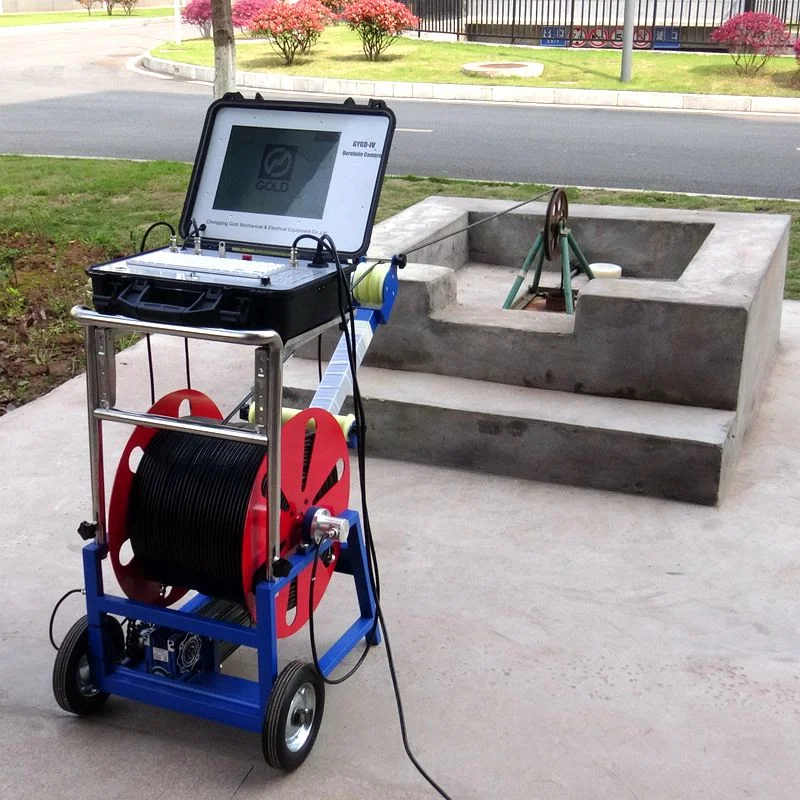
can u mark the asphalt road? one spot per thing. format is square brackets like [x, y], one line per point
[67, 91]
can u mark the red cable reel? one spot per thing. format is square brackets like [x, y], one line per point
[313, 450]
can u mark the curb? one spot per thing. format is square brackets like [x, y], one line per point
[484, 94]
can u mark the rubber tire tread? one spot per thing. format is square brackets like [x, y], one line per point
[274, 728]
[65, 687]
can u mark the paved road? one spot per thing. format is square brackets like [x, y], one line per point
[67, 92]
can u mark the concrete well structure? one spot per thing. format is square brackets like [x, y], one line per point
[648, 388]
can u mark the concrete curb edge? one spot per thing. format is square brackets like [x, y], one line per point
[484, 94]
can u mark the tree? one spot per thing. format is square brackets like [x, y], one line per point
[752, 38]
[378, 23]
[224, 48]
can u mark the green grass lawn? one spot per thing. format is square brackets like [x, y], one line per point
[338, 55]
[58, 216]
[98, 14]
[108, 203]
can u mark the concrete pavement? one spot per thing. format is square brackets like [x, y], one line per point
[551, 642]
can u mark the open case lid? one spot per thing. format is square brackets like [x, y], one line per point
[267, 172]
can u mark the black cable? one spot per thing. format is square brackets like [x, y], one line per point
[372, 560]
[401, 714]
[480, 221]
[186, 359]
[319, 357]
[152, 228]
[150, 370]
[55, 611]
[245, 399]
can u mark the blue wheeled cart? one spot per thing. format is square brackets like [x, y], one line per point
[253, 516]
[172, 657]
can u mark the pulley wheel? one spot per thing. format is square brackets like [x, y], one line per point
[555, 218]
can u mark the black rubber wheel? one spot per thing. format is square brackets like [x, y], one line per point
[293, 716]
[72, 682]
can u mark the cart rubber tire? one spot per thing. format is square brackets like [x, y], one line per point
[71, 680]
[293, 717]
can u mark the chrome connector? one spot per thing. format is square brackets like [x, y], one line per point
[325, 526]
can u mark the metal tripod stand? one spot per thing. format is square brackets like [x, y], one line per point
[554, 237]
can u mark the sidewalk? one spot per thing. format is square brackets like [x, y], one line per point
[484, 94]
[551, 642]
[82, 25]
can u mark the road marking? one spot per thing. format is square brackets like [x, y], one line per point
[428, 130]
[132, 66]
[201, 83]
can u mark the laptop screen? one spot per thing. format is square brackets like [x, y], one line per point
[271, 174]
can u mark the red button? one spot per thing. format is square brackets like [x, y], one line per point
[247, 257]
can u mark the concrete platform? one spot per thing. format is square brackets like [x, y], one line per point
[551, 642]
[693, 322]
[603, 442]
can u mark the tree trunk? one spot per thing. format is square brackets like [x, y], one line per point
[224, 48]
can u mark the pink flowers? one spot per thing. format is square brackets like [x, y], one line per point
[291, 28]
[244, 12]
[378, 23]
[752, 38]
[198, 13]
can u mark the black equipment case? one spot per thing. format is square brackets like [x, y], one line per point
[270, 180]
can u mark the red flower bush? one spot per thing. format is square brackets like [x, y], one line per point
[291, 28]
[378, 23]
[752, 39]
[335, 7]
[244, 12]
[198, 13]
[797, 51]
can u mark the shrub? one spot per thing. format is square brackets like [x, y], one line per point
[752, 39]
[198, 13]
[244, 12]
[90, 4]
[335, 8]
[128, 6]
[378, 23]
[797, 51]
[291, 28]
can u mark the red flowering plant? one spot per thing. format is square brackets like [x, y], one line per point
[797, 51]
[291, 28]
[378, 23]
[752, 38]
[244, 12]
[198, 13]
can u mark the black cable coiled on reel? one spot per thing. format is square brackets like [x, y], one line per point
[187, 511]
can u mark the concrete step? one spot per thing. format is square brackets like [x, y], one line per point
[631, 446]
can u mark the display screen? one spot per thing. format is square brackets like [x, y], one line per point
[277, 171]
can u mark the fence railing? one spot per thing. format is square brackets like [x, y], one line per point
[660, 24]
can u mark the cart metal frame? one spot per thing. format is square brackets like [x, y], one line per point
[212, 695]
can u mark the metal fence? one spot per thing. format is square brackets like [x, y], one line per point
[660, 24]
